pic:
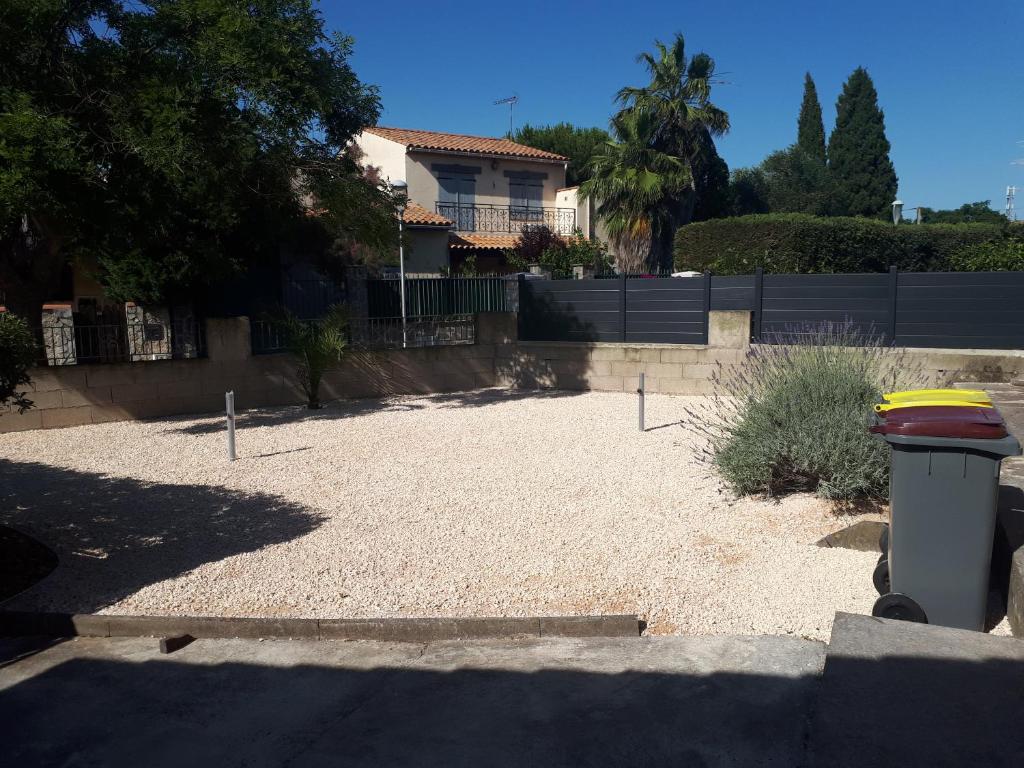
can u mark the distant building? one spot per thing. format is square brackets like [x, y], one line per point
[471, 194]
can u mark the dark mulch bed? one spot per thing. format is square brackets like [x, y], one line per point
[23, 562]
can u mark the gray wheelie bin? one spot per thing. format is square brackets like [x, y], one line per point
[943, 489]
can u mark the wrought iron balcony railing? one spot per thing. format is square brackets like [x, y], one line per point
[507, 218]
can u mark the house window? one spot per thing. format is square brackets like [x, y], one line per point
[525, 196]
[457, 191]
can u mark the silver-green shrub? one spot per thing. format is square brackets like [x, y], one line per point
[793, 415]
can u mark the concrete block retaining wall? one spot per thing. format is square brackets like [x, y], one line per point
[84, 394]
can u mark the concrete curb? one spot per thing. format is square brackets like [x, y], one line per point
[17, 623]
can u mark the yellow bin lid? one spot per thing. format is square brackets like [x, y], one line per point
[965, 395]
[883, 407]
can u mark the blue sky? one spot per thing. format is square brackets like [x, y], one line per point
[950, 76]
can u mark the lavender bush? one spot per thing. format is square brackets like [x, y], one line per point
[792, 416]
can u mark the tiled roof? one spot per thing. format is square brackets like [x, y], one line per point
[481, 240]
[417, 215]
[455, 142]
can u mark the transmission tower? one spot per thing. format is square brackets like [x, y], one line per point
[1011, 214]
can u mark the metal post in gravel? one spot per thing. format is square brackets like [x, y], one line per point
[640, 391]
[229, 407]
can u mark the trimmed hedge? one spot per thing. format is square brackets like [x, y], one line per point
[800, 243]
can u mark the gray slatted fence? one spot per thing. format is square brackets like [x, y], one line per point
[984, 310]
[790, 304]
[641, 310]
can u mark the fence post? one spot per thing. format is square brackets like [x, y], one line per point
[893, 280]
[622, 307]
[520, 304]
[707, 305]
[229, 408]
[758, 301]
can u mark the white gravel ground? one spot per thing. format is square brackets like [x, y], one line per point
[474, 504]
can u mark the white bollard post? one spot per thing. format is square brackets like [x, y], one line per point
[640, 391]
[229, 406]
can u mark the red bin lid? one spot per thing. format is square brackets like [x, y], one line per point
[943, 421]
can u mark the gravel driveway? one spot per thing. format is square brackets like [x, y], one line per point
[484, 503]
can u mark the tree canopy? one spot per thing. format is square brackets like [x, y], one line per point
[650, 180]
[968, 213]
[810, 134]
[173, 142]
[858, 151]
[577, 144]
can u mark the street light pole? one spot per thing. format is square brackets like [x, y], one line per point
[400, 188]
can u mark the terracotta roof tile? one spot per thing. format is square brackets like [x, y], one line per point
[455, 142]
[417, 215]
[482, 240]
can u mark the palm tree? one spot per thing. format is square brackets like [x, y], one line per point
[316, 345]
[637, 188]
[674, 117]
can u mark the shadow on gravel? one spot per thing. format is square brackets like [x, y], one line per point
[295, 414]
[114, 536]
[347, 409]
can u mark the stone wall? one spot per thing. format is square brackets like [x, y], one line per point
[84, 394]
[89, 394]
[687, 369]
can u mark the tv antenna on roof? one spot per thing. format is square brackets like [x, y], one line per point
[511, 101]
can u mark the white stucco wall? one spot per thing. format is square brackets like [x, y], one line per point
[383, 153]
[491, 183]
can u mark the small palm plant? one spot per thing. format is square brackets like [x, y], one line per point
[318, 346]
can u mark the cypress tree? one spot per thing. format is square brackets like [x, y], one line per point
[858, 151]
[810, 134]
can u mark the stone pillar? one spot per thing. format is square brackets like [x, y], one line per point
[228, 338]
[184, 332]
[59, 334]
[729, 329]
[537, 269]
[148, 331]
[582, 272]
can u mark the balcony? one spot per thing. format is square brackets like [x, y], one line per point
[507, 218]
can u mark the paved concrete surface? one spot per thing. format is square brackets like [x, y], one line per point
[917, 696]
[1008, 553]
[679, 701]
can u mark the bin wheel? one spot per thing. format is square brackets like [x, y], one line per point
[880, 577]
[898, 606]
[883, 540]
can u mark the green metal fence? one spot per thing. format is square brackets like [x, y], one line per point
[437, 296]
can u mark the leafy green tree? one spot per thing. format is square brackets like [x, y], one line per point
[858, 151]
[18, 353]
[577, 144]
[748, 191]
[316, 345]
[796, 182]
[648, 181]
[810, 135]
[174, 142]
[968, 213]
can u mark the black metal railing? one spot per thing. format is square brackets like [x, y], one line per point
[392, 333]
[79, 344]
[268, 336]
[482, 217]
[436, 296]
